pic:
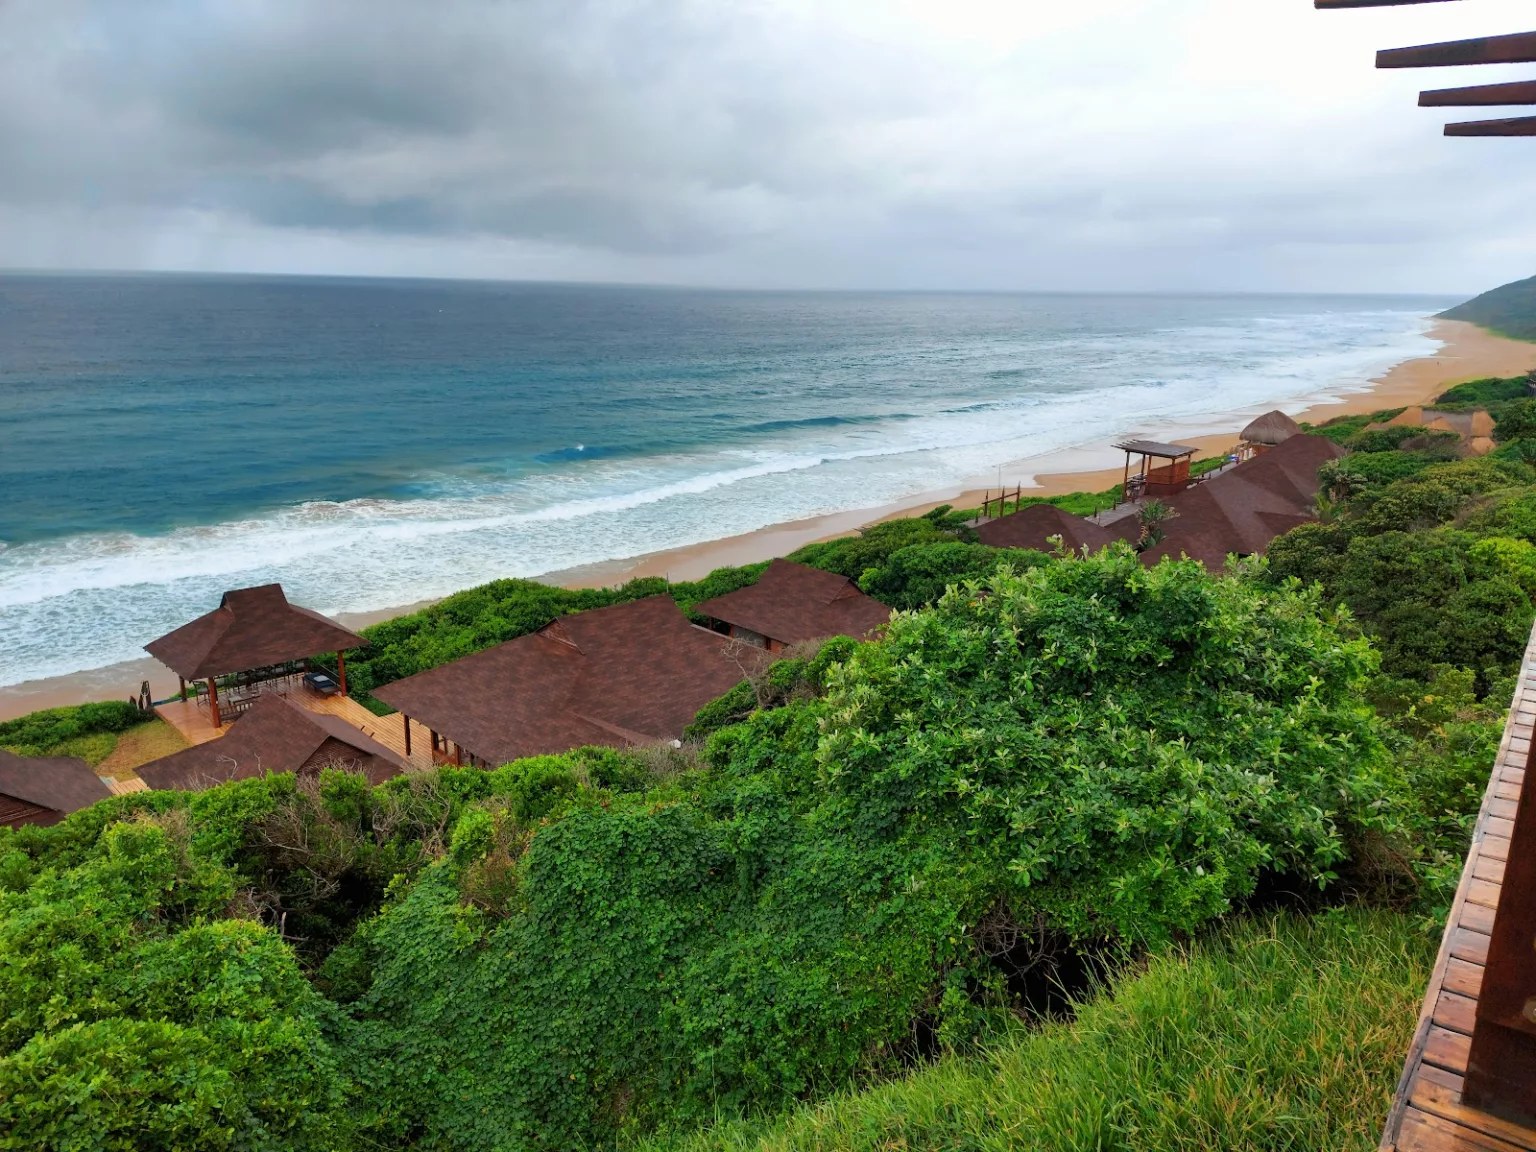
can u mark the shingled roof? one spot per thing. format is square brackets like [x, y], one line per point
[629, 674]
[1032, 527]
[792, 602]
[274, 736]
[60, 784]
[251, 628]
[1243, 509]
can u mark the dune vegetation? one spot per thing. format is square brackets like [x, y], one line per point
[1115, 855]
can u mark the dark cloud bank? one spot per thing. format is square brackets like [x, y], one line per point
[1127, 143]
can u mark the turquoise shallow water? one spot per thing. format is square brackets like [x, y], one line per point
[372, 443]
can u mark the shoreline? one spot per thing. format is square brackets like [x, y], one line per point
[1467, 353]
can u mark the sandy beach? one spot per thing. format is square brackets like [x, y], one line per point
[1468, 353]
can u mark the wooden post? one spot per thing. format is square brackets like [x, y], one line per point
[341, 671]
[458, 755]
[183, 680]
[213, 702]
[407, 720]
[1125, 481]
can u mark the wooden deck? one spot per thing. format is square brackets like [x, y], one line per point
[1427, 1113]
[194, 723]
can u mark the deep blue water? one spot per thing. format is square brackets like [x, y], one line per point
[375, 442]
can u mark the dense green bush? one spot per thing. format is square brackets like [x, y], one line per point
[1516, 421]
[129, 1020]
[47, 732]
[918, 575]
[1489, 390]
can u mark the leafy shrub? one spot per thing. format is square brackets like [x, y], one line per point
[1516, 421]
[1383, 439]
[851, 556]
[42, 733]
[1489, 390]
[918, 575]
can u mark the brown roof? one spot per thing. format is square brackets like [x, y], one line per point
[1032, 527]
[251, 628]
[1157, 448]
[1241, 510]
[58, 783]
[629, 674]
[791, 602]
[274, 736]
[1271, 428]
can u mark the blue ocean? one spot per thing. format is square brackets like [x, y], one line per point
[373, 443]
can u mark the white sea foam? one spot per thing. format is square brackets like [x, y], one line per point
[85, 601]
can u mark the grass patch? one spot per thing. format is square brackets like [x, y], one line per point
[1276, 1034]
[139, 745]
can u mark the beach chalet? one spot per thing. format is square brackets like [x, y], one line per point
[1265, 432]
[274, 735]
[1033, 527]
[254, 643]
[1158, 480]
[1245, 507]
[791, 603]
[1469, 1081]
[630, 674]
[45, 789]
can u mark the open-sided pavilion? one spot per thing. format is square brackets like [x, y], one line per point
[1155, 479]
[254, 642]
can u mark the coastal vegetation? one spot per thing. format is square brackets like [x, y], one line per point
[1508, 310]
[1117, 855]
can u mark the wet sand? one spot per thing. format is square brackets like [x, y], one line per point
[1469, 353]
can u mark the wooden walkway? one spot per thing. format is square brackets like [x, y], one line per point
[1427, 1113]
[194, 723]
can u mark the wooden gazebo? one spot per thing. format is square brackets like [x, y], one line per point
[1155, 480]
[254, 641]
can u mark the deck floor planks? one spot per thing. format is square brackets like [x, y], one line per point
[1427, 1113]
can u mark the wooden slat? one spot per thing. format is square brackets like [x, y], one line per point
[1504, 809]
[1487, 868]
[1425, 1132]
[1494, 847]
[1469, 946]
[1477, 918]
[1446, 1049]
[1519, 126]
[1371, 3]
[1456, 1013]
[1504, 790]
[1484, 893]
[1517, 48]
[1500, 826]
[1438, 1092]
[1463, 978]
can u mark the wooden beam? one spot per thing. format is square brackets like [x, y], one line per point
[407, 720]
[1370, 3]
[1519, 126]
[1517, 48]
[1482, 96]
[213, 702]
[183, 680]
[341, 671]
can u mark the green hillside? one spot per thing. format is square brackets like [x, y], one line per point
[1509, 310]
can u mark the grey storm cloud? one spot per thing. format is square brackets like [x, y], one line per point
[955, 142]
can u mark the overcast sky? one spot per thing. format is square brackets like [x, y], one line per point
[1075, 144]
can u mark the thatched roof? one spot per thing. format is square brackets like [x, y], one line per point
[1271, 428]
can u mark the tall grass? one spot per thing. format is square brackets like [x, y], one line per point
[1275, 1034]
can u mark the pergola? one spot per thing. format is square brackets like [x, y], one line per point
[253, 637]
[1162, 480]
[1518, 48]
